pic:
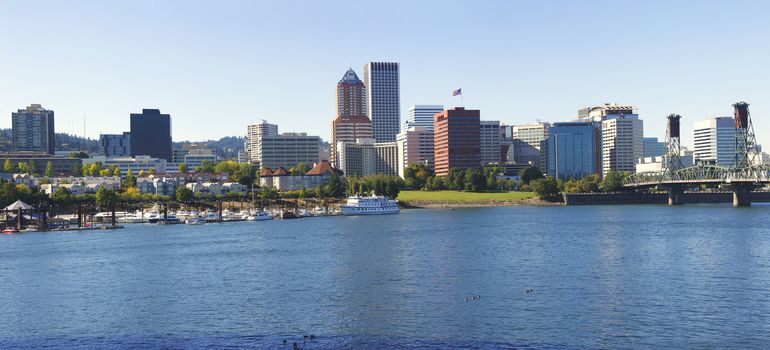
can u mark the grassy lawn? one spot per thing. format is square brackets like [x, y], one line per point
[457, 196]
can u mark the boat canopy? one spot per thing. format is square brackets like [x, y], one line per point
[19, 205]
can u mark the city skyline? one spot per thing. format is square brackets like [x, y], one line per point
[670, 63]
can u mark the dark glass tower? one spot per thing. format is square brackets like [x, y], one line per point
[151, 134]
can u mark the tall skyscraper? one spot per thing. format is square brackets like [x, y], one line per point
[715, 141]
[383, 99]
[151, 134]
[33, 130]
[572, 150]
[254, 135]
[490, 141]
[422, 116]
[351, 122]
[456, 140]
[622, 143]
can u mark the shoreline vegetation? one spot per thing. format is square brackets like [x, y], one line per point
[460, 199]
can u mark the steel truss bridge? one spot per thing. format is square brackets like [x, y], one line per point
[742, 177]
[757, 175]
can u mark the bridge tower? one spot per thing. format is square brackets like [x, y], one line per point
[745, 142]
[745, 152]
[672, 161]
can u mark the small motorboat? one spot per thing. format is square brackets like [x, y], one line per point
[195, 221]
[261, 216]
[10, 230]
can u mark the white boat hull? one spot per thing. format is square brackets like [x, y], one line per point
[369, 211]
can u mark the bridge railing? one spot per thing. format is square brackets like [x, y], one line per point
[701, 174]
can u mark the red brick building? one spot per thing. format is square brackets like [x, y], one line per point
[351, 122]
[457, 140]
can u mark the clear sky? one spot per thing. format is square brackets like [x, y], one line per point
[217, 66]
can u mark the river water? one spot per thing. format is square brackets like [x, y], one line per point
[695, 276]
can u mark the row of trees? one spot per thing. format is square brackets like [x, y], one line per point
[29, 168]
[550, 188]
[382, 185]
[419, 176]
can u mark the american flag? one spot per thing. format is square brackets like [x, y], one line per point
[457, 92]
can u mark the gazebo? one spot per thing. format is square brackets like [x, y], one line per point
[18, 206]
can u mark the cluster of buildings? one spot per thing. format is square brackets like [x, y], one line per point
[367, 137]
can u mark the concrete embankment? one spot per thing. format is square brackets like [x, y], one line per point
[475, 204]
[656, 198]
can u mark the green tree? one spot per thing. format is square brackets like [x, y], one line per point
[86, 169]
[416, 175]
[300, 169]
[613, 181]
[152, 170]
[106, 198]
[474, 180]
[529, 174]
[183, 168]
[590, 183]
[49, 169]
[335, 188]
[207, 166]
[184, 195]
[32, 167]
[456, 179]
[22, 167]
[8, 166]
[546, 188]
[62, 197]
[116, 171]
[105, 172]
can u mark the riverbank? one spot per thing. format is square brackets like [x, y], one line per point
[459, 199]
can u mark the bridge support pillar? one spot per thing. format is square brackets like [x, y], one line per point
[675, 194]
[742, 196]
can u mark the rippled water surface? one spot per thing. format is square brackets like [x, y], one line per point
[598, 277]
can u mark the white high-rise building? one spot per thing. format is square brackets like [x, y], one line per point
[528, 144]
[622, 143]
[490, 141]
[366, 157]
[383, 99]
[422, 116]
[415, 145]
[254, 135]
[715, 141]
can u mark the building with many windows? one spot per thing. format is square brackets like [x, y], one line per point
[351, 122]
[622, 143]
[422, 116]
[528, 144]
[366, 157]
[415, 145]
[254, 135]
[715, 141]
[381, 80]
[456, 140]
[32, 130]
[572, 151]
[288, 149]
[151, 134]
[653, 147]
[490, 141]
[116, 145]
[40, 160]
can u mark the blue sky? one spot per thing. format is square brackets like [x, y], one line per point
[217, 66]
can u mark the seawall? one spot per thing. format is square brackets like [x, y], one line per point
[656, 198]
